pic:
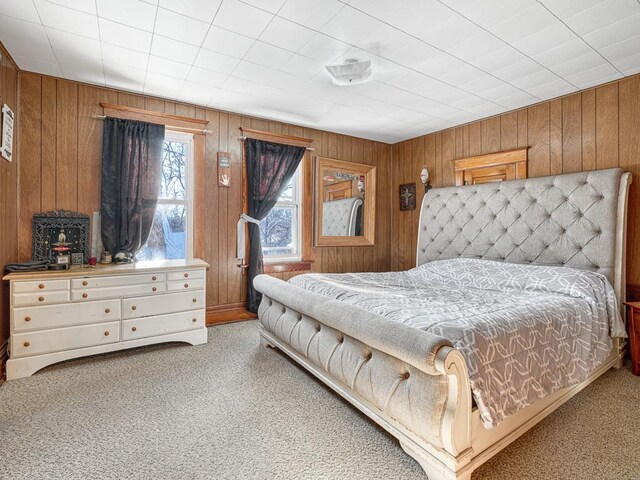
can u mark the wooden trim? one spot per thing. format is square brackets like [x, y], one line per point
[276, 137]
[182, 124]
[301, 266]
[517, 158]
[199, 202]
[227, 313]
[369, 217]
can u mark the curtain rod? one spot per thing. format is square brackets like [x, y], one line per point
[242, 139]
[170, 127]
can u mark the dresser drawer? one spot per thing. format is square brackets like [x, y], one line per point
[162, 324]
[169, 303]
[40, 298]
[88, 294]
[46, 341]
[101, 282]
[40, 286]
[185, 274]
[187, 284]
[64, 315]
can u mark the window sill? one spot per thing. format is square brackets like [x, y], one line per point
[281, 267]
[291, 266]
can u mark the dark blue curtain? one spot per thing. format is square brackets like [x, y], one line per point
[270, 166]
[131, 169]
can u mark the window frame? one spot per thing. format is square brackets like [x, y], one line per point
[188, 139]
[297, 232]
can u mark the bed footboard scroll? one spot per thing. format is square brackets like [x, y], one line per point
[410, 379]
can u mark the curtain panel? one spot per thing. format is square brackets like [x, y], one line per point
[132, 153]
[269, 166]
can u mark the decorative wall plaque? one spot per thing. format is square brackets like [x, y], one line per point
[224, 169]
[60, 232]
[407, 197]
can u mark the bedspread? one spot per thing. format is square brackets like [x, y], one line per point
[525, 331]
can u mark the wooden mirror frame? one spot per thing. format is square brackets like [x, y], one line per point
[368, 214]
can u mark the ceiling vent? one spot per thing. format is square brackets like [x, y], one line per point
[351, 72]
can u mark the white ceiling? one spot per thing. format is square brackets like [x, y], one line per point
[436, 63]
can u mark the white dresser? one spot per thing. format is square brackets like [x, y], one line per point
[56, 316]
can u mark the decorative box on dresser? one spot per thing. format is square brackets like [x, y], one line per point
[59, 315]
[633, 320]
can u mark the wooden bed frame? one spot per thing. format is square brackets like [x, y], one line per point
[465, 442]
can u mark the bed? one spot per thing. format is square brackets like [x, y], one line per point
[519, 267]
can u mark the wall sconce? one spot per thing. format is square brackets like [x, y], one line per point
[424, 177]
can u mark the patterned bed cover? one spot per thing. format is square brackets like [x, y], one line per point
[525, 331]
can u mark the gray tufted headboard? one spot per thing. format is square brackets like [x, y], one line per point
[578, 220]
[339, 217]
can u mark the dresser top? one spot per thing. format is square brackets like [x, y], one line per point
[111, 269]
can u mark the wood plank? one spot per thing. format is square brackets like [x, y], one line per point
[572, 133]
[224, 249]
[30, 129]
[538, 134]
[234, 209]
[509, 131]
[212, 224]
[491, 135]
[589, 130]
[629, 144]
[90, 144]
[67, 145]
[49, 168]
[475, 138]
[607, 126]
[555, 136]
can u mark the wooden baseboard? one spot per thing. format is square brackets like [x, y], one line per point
[230, 312]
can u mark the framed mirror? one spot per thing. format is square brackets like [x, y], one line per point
[345, 203]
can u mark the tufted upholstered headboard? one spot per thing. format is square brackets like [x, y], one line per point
[339, 217]
[577, 220]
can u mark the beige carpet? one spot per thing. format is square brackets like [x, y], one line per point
[234, 410]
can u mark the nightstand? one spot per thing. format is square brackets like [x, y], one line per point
[633, 319]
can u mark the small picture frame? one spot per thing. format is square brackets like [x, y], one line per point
[77, 259]
[224, 169]
[407, 197]
[63, 259]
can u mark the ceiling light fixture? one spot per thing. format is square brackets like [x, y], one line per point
[351, 72]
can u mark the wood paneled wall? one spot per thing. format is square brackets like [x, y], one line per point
[8, 192]
[61, 147]
[592, 129]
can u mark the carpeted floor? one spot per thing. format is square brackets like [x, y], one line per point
[234, 410]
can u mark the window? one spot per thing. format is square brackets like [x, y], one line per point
[280, 231]
[171, 235]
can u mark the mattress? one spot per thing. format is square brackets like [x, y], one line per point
[525, 331]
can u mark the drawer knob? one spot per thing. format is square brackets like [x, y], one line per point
[106, 334]
[186, 275]
[41, 286]
[133, 307]
[154, 289]
[154, 278]
[194, 300]
[85, 295]
[41, 299]
[107, 310]
[85, 283]
[186, 285]
[26, 344]
[133, 329]
[27, 319]
[194, 320]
